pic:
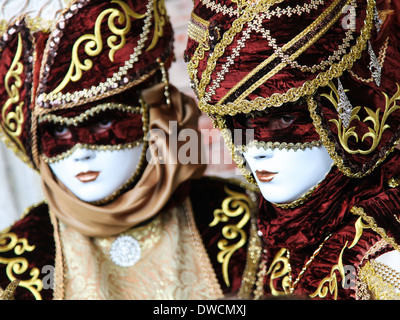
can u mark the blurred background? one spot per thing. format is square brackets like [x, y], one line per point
[20, 186]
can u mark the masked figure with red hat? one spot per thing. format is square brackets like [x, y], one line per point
[85, 101]
[307, 96]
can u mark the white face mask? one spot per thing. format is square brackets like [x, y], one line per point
[93, 175]
[283, 176]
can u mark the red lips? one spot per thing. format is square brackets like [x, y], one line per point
[87, 176]
[265, 176]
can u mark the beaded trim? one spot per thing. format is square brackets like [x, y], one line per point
[74, 121]
[388, 274]
[67, 153]
[381, 61]
[34, 24]
[197, 28]
[279, 145]
[118, 79]
[369, 222]
[277, 99]
[377, 281]
[88, 113]
[297, 202]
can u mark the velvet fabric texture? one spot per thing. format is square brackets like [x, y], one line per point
[90, 47]
[272, 60]
[258, 47]
[82, 21]
[154, 188]
[290, 124]
[122, 128]
[329, 207]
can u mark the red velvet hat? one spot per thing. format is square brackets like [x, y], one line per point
[340, 56]
[94, 50]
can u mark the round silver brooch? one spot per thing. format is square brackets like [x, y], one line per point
[125, 251]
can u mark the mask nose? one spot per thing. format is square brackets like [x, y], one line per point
[83, 154]
[259, 153]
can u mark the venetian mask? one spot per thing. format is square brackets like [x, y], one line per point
[282, 151]
[97, 153]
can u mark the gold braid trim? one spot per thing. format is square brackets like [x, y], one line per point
[374, 285]
[369, 222]
[96, 147]
[8, 293]
[279, 145]
[276, 99]
[252, 262]
[88, 113]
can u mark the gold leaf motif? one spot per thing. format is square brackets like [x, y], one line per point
[14, 120]
[329, 284]
[19, 265]
[280, 268]
[378, 126]
[94, 44]
[160, 14]
[235, 205]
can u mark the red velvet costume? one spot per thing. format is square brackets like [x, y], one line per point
[250, 61]
[106, 59]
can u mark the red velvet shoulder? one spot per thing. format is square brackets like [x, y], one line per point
[27, 253]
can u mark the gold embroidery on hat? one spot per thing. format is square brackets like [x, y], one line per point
[277, 99]
[94, 46]
[13, 120]
[50, 117]
[381, 60]
[198, 28]
[296, 54]
[375, 132]
[160, 14]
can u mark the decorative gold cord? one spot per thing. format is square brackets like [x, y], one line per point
[309, 87]
[307, 264]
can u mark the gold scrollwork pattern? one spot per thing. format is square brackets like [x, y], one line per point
[279, 268]
[160, 14]
[329, 284]
[94, 44]
[368, 222]
[13, 120]
[235, 205]
[378, 126]
[19, 265]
